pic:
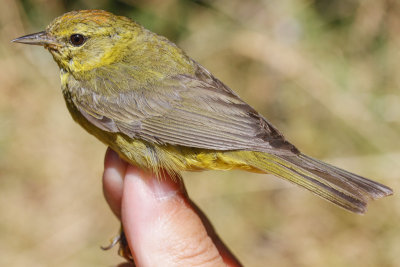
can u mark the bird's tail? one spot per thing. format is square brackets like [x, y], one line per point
[341, 187]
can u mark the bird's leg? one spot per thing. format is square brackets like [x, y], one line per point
[123, 249]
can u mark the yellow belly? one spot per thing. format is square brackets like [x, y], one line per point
[173, 159]
[177, 158]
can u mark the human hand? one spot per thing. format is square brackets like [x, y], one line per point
[162, 225]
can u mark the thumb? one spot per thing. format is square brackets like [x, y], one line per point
[161, 226]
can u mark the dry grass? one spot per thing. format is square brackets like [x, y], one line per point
[324, 72]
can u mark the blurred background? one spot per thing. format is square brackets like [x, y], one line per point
[326, 73]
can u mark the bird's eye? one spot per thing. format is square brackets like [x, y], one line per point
[77, 39]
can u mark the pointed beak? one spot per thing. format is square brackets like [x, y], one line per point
[39, 38]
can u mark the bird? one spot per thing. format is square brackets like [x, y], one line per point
[159, 109]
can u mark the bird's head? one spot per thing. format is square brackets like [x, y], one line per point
[86, 39]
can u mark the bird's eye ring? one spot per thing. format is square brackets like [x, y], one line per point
[77, 39]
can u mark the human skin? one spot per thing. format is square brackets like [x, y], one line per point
[162, 225]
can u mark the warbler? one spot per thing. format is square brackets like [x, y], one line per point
[140, 94]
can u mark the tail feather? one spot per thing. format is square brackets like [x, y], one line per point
[373, 189]
[341, 187]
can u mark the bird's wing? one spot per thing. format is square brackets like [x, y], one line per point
[187, 110]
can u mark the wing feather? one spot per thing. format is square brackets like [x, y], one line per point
[187, 110]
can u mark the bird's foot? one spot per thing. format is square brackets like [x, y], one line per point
[123, 250]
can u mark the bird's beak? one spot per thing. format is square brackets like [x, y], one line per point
[39, 38]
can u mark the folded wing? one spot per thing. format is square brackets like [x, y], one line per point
[187, 110]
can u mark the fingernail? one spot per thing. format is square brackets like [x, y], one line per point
[163, 188]
[111, 157]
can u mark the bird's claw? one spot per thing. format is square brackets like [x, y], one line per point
[113, 242]
[123, 249]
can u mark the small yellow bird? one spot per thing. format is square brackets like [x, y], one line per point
[140, 94]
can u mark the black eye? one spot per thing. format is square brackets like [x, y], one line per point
[77, 39]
